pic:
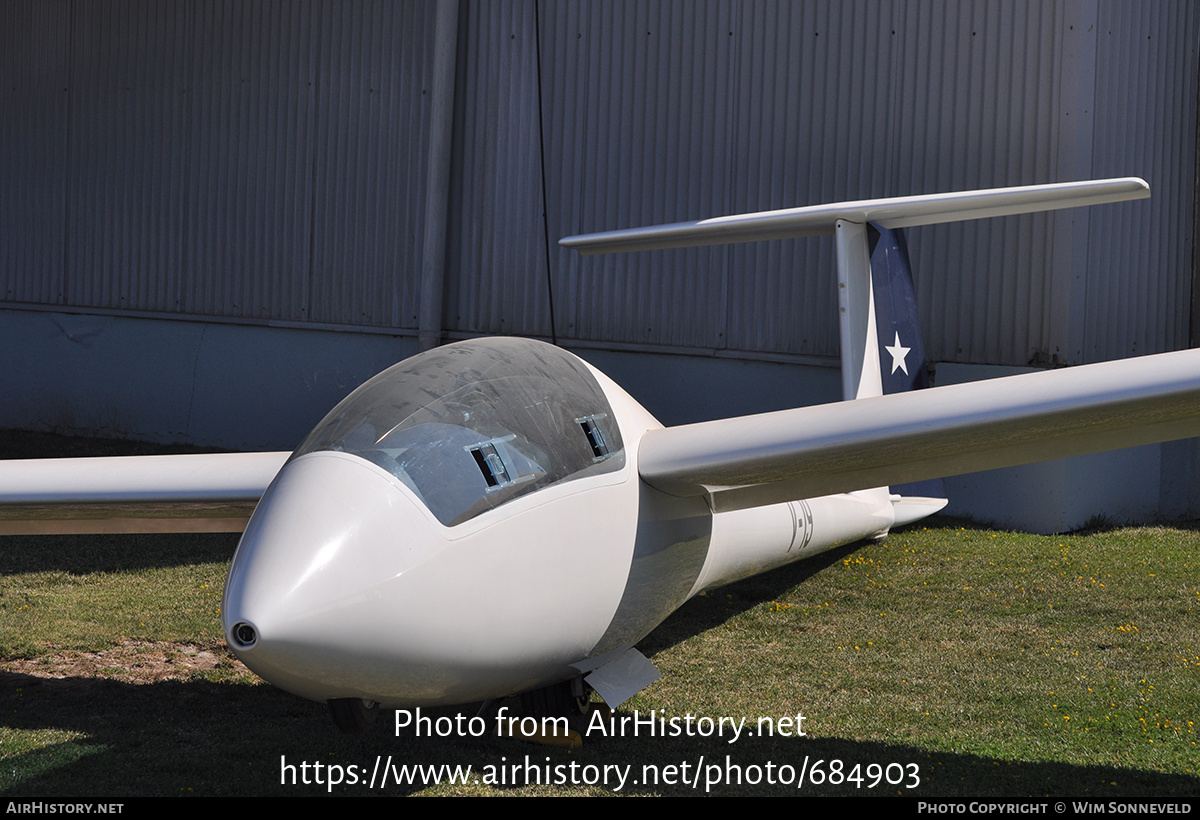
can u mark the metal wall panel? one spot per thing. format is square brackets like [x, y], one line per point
[1137, 291]
[496, 259]
[666, 112]
[34, 65]
[637, 132]
[250, 151]
[128, 154]
[370, 122]
[246, 160]
[976, 90]
[669, 112]
[265, 161]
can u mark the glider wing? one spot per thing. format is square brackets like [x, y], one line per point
[211, 492]
[813, 451]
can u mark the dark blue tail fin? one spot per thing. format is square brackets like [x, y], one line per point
[901, 350]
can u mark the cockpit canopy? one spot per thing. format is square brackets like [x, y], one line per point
[473, 425]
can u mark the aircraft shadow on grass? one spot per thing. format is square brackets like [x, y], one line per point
[206, 738]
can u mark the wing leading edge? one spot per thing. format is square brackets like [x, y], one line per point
[813, 451]
[209, 492]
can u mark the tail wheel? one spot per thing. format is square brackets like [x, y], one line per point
[353, 715]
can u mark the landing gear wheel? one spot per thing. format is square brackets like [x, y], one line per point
[353, 715]
[570, 699]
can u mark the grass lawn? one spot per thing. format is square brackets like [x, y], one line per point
[980, 662]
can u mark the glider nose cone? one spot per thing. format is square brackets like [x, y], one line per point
[322, 554]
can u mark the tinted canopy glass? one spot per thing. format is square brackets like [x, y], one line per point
[472, 425]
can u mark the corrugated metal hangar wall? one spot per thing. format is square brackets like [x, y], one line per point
[263, 171]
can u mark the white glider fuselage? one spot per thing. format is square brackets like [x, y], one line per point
[495, 516]
[354, 588]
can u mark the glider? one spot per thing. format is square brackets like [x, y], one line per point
[496, 516]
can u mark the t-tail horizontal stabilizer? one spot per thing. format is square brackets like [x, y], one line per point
[894, 212]
[878, 439]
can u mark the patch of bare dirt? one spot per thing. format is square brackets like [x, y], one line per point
[131, 662]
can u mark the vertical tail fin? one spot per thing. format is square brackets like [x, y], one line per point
[901, 348]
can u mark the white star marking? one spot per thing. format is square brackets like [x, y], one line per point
[898, 353]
